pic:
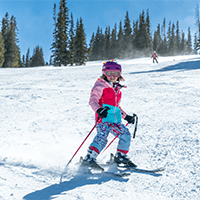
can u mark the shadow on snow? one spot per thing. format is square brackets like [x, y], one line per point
[183, 66]
[77, 181]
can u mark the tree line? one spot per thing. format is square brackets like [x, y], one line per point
[137, 40]
[10, 51]
[10, 55]
[126, 40]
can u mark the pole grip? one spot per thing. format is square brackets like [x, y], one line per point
[136, 122]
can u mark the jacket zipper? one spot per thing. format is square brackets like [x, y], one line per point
[115, 106]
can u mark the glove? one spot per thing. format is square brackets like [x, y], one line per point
[130, 119]
[102, 112]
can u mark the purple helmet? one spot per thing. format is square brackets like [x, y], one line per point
[111, 66]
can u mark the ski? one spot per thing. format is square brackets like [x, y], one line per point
[114, 170]
[136, 169]
[119, 174]
[143, 170]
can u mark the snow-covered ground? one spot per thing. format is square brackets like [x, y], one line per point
[45, 116]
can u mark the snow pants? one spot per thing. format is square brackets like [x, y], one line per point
[103, 130]
[155, 60]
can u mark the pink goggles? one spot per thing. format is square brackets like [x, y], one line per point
[110, 73]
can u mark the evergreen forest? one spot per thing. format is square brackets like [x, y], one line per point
[126, 39]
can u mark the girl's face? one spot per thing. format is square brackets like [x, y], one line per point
[112, 79]
[112, 75]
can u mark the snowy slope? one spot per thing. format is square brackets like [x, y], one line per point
[45, 116]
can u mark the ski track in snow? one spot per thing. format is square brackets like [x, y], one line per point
[45, 116]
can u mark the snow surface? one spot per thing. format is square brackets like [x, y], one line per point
[45, 116]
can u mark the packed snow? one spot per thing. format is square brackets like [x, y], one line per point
[45, 116]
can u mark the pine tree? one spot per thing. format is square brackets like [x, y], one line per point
[50, 61]
[168, 37]
[148, 23]
[107, 44]
[197, 36]
[183, 44]
[23, 61]
[157, 40]
[120, 41]
[113, 42]
[27, 62]
[163, 45]
[189, 42]
[198, 45]
[60, 44]
[102, 45]
[9, 35]
[2, 51]
[37, 59]
[5, 26]
[142, 39]
[196, 48]
[127, 27]
[71, 42]
[91, 46]
[98, 45]
[149, 44]
[135, 33]
[177, 40]
[127, 38]
[95, 43]
[54, 44]
[164, 29]
[17, 59]
[80, 44]
[172, 41]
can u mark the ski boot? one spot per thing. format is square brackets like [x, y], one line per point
[90, 162]
[123, 159]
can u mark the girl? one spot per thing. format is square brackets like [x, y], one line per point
[104, 100]
[154, 56]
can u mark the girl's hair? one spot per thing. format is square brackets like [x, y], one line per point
[118, 79]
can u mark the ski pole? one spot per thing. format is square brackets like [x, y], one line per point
[136, 122]
[111, 142]
[106, 108]
[61, 176]
[81, 144]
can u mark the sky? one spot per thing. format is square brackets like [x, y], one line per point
[35, 17]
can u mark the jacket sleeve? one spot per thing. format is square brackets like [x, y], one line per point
[95, 96]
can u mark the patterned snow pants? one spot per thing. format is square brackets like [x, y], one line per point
[103, 130]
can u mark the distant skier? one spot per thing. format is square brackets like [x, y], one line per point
[154, 56]
[105, 99]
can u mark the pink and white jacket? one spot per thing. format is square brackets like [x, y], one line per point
[154, 55]
[102, 95]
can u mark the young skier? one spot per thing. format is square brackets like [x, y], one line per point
[104, 100]
[154, 56]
